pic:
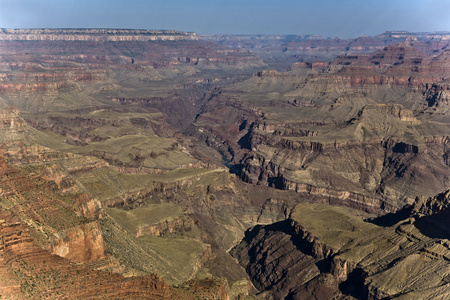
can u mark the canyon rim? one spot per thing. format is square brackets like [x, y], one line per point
[161, 164]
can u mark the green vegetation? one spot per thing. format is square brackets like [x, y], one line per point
[105, 183]
[334, 226]
[122, 139]
[151, 214]
[175, 256]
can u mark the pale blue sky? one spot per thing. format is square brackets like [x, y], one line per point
[331, 18]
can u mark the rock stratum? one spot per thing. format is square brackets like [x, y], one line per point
[280, 51]
[95, 35]
[370, 131]
[116, 148]
[54, 235]
[325, 252]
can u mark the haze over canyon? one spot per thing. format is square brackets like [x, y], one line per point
[160, 164]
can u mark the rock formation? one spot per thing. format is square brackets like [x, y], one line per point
[52, 233]
[280, 51]
[353, 130]
[115, 160]
[96, 35]
[326, 252]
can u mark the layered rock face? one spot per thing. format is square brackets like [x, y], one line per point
[325, 252]
[46, 69]
[173, 226]
[52, 231]
[280, 51]
[96, 35]
[31, 213]
[369, 131]
[96, 178]
[29, 271]
[83, 243]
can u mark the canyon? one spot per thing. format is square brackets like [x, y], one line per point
[328, 253]
[281, 51]
[158, 164]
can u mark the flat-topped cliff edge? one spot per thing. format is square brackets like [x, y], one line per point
[97, 35]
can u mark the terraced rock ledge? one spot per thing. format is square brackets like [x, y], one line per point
[325, 252]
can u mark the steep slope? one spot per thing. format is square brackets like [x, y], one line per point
[39, 220]
[129, 218]
[326, 252]
[366, 131]
[58, 241]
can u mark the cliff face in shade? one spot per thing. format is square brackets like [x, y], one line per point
[324, 251]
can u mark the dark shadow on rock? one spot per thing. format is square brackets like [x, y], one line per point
[276, 182]
[435, 226]
[233, 168]
[324, 265]
[391, 219]
[243, 125]
[246, 141]
[354, 285]
[405, 148]
[251, 233]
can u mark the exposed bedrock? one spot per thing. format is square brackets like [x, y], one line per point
[94, 35]
[28, 271]
[178, 225]
[83, 243]
[367, 170]
[372, 173]
[324, 251]
[367, 131]
[51, 243]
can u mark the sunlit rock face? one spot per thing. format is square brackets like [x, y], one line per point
[52, 243]
[83, 243]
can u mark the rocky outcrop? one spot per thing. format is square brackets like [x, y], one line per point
[395, 110]
[9, 118]
[177, 225]
[333, 131]
[437, 95]
[273, 159]
[55, 244]
[432, 206]
[83, 243]
[324, 249]
[28, 271]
